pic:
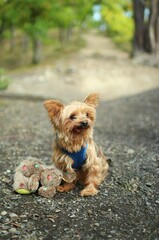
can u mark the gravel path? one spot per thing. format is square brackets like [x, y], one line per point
[127, 206]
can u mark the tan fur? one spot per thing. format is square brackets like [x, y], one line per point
[66, 121]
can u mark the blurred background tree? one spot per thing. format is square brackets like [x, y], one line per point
[34, 20]
[134, 26]
[119, 22]
[27, 25]
[146, 18]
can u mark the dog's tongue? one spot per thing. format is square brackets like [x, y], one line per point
[78, 129]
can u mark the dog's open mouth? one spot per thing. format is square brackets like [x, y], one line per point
[79, 129]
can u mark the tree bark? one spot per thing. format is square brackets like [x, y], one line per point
[37, 51]
[2, 27]
[69, 34]
[61, 35]
[154, 31]
[157, 37]
[25, 43]
[153, 25]
[138, 6]
[146, 35]
[12, 38]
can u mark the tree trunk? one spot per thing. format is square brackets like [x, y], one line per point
[25, 43]
[37, 51]
[69, 34]
[61, 35]
[157, 37]
[146, 35]
[12, 38]
[153, 31]
[2, 27]
[139, 26]
[79, 32]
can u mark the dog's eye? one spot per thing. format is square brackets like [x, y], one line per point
[87, 115]
[73, 117]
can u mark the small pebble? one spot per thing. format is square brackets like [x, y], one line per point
[22, 226]
[66, 229]
[57, 210]
[96, 224]
[3, 213]
[13, 230]
[6, 191]
[4, 232]
[102, 234]
[25, 221]
[130, 151]
[7, 220]
[148, 204]
[22, 216]
[149, 184]
[89, 211]
[13, 215]
[103, 212]
[5, 227]
[6, 180]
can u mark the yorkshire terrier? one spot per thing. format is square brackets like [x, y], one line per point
[75, 152]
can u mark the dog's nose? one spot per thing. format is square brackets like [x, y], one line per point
[84, 124]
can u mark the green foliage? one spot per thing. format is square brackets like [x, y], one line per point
[33, 20]
[62, 16]
[70, 13]
[36, 30]
[37, 18]
[83, 9]
[119, 26]
[4, 80]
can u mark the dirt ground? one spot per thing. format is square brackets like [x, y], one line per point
[99, 66]
[127, 128]
[127, 206]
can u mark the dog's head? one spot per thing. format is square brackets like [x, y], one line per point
[75, 119]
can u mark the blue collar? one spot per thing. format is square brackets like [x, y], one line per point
[79, 157]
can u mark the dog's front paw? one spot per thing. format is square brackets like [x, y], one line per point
[69, 177]
[90, 190]
[66, 187]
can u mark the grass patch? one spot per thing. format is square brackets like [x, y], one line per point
[3, 84]
[4, 80]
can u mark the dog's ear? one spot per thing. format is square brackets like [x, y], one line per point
[54, 108]
[92, 99]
